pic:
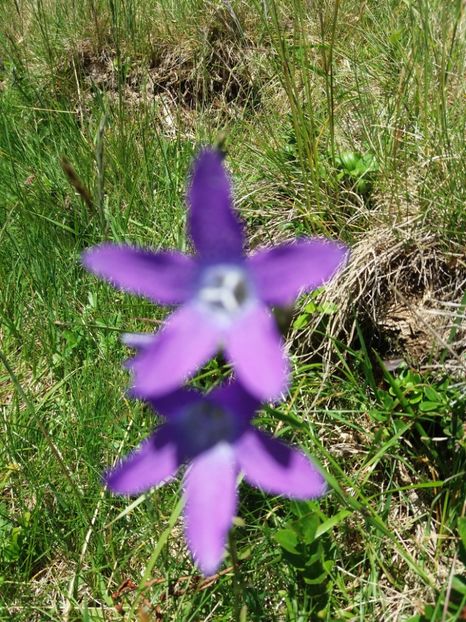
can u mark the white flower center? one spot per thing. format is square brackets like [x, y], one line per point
[224, 290]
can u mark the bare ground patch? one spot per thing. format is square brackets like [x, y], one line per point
[220, 69]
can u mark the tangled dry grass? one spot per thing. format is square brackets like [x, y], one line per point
[406, 292]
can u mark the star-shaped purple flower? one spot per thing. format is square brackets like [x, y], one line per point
[224, 294]
[213, 434]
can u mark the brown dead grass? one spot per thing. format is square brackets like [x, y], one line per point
[405, 291]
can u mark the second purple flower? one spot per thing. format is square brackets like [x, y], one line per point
[214, 436]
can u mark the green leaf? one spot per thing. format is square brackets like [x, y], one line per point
[328, 308]
[369, 162]
[301, 321]
[332, 522]
[458, 585]
[349, 160]
[311, 307]
[316, 580]
[462, 529]
[377, 415]
[427, 406]
[395, 36]
[288, 540]
[362, 186]
[432, 395]
[302, 509]
[308, 526]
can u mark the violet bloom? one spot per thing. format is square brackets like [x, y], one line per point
[214, 435]
[224, 294]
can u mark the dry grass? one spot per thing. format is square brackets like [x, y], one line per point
[406, 291]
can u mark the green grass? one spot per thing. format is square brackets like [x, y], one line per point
[305, 95]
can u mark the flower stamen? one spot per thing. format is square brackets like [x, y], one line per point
[225, 290]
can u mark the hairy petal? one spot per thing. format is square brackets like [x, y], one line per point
[214, 228]
[210, 505]
[156, 460]
[164, 277]
[281, 273]
[277, 468]
[256, 350]
[186, 341]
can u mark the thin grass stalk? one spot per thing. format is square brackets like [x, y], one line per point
[328, 63]
[305, 141]
[237, 581]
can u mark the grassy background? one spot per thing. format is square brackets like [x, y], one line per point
[344, 119]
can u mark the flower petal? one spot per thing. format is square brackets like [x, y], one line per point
[214, 228]
[166, 277]
[211, 501]
[186, 341]
[256, 350]
[276, 467]
[138, 341]
[174, 403]
[281, 273]
[234, 398]
[156, 460]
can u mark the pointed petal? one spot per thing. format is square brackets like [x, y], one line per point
[214, 227]
[186, 341]
[164, 277]
[277, 468]
[174, 403]
[281, 273]
[211, 501]
[256, 350]
[156, 460]
[234, 398]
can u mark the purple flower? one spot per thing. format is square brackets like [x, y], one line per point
[214, 435]
[224, 294]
